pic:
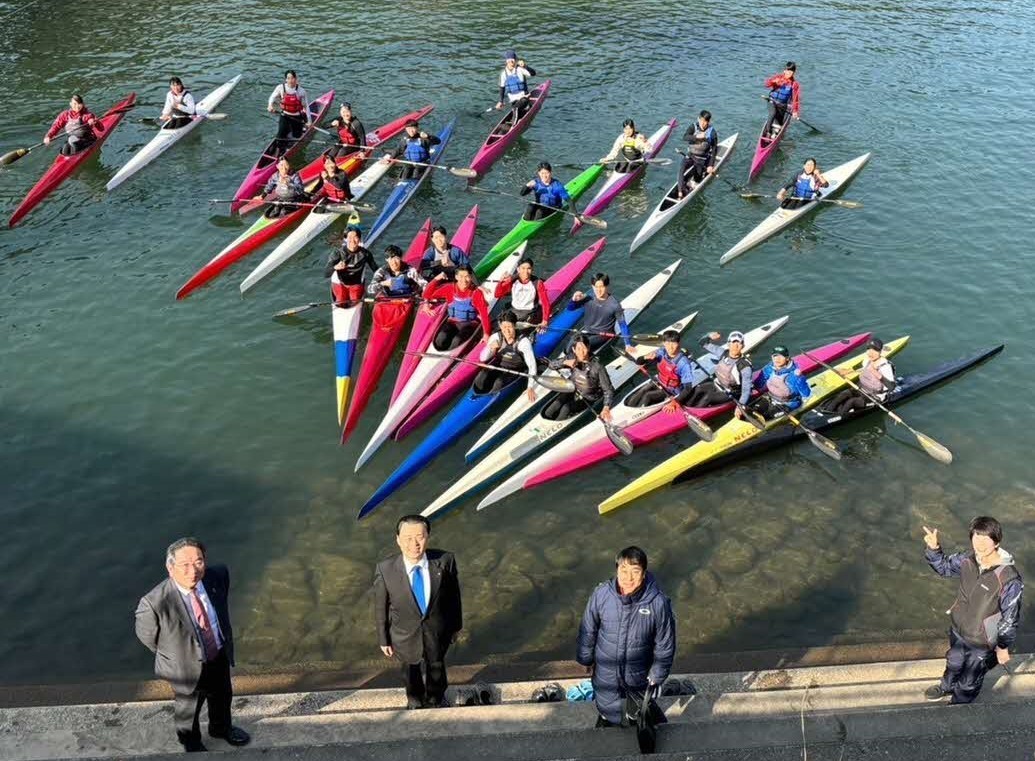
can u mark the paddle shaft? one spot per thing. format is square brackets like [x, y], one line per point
[700, 428]
[541, 381]
[11, 156]
[637, 337]
[588, 220]
[821, 442]
[838, 201]
[810, 126]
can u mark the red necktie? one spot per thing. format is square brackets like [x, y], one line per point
[208, 637]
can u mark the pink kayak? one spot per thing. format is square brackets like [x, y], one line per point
[767, 146]
[462, 375]
[506, 131]
[430, 316]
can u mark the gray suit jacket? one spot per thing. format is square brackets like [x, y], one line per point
[165, 627]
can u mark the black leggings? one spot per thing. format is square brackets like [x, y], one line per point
[340, 151]
[845, 401]
[410, 172]
[693, 169]
[177, 122]
[519, 107]
[535, 212]
[82, 145]
[624, 167]
[564, 406]
[533, 315]
[707, 395]
[452, 334]
[777, 113]
[289, 130]
[490, 381]
[647, 395]
[279, 210]
[768, 408]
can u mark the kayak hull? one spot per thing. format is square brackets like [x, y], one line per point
[766, 147]
[505, 133]
[345, 322]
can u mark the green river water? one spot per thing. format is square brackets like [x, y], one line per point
[128, 419]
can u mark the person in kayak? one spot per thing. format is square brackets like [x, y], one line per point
[179, 105]
[79, 125]
[288, 188]
[592, 383]
[700, 156]
[441, 258]
[334, 183]
[290, 100]
[877, 378]
[514, 84]
[732, 379]
[466, 309]
[675, 374]
[345, 267]
[529, 299]
[631, 145]
[603, 316]
[802, 187]
[784, 93]
[395, 279]
[415, 145]
[550, 194]
[784, 384]
[509, 351]
[352, 135]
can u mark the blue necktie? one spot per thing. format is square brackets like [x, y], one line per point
[418, 590]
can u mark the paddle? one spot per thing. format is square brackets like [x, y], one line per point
[592, 221]
[939, 452]
[549, 382]
[701, 429]
[455, 170]
[158, 119]
[837, 201]
[822, 443]
[11, 156]
[336, 208]
[811, 127]
[750, 416]
[640, 338]
[619, 439]
[657, 162]
[315, 304]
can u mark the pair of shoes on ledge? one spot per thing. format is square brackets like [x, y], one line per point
[479, 694]
[673, 687]
[549, 693]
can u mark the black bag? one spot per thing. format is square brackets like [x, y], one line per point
[642, 712]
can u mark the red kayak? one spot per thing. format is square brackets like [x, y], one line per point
[389, 318]
[63, 166]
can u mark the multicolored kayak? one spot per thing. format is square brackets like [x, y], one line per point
[461, 376]
[507, 131]
[633, 304]
[737, 432]
[63, 166]
[389, 317]
[766, 146]
[838, 177]
[267, 163]
[474, 406]
[616, 182]
[430, 316]
[525, 229]
[641, 425]
[345, 322]
[407, 189]
[167, 138]
[672, 204]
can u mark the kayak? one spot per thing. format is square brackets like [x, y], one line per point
[525, 229]
[267, 164]
[462, 374]
[633, 304]
[616, 182]
[430, 369]
[507, 131]
[908, 387]
[266, 228]
[345, 322]
[167, 138]
[838, 177]
[672, 204]
[534, 435]
[63, 166]
[736, 432]
[641, 425]
[467, 412]
[388, 317]
[766, 146]
[429, 316]
[406, 189]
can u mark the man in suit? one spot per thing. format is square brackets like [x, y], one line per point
[185, 622]
[417, 610]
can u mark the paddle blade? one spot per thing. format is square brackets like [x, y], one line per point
[646, 338]
[619, 439]
[216, 117]
[823, 444]
[752, 196]
[555, 383]
[295, 310]
[756, 420]
[469, 174]
[701, 429]
[933, 448]
[593, 222]
[846, 204]
[11, 156]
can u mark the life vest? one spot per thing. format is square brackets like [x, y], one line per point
[291, 103]
[77, 130]
[586, 382]
[778, 388]
[871, 380]
[336, 187]
[668, 370]
[805, 186]
[524, 297]
[416, 150]
[630, 149]
[783, 93]
[443, 258]
[285, 188]
[728, 370]
[461, 308]
[549, 195]
[700, 141]
[514, 83]
[178, 102]
[401, 284]
[510, 356]
[346, 135]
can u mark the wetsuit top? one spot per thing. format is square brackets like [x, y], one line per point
[784, 91]
[288, 188]
[336, 188]
[179, 105]
[434, 261]
[676, 374]
[405, 283]
[416, 148]
[524, 297]
[603, 316]
[514, 83]
[590, 378]
[704, 143]
[69, 121]
[786, 385]
[553, 195]
[511, 356]
[355, 261]
[292, 101]
[352, 133]
[462, 306]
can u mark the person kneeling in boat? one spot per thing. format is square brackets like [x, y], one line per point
[290, 99]
[288, 188]
[631, 145]
[604, 314]
[179, 105]
[732, 379]
[877, 378]
[550, 194]
[466, 309]
[529, 299]
[345, 267]
[509, 351]
[334, 183]
[700, 156]
[785, 386]
[80, 126]
[802, 187]
[441, 258]
[784, 92]
[514, 84]
[352, 135]
[396, 280]
[675, 375]
[592, 383]
[415, 145]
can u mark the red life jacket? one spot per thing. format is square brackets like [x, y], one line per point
[346, 136]
[336, 188]
[668, 372]
[291, 103]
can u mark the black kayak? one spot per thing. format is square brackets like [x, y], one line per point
[818, 420]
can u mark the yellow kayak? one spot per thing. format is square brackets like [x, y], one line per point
[736, 432]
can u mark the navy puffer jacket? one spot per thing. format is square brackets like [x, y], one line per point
[628, 639]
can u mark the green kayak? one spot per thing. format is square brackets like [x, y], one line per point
[525, 229]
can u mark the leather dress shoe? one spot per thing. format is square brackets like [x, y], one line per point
[235, 736]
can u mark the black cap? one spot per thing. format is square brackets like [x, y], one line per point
[876, 344]
[781, 350]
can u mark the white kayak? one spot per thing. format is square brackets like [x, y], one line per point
[166, 138]
[632, 304]
[838, 177]
[672, 204]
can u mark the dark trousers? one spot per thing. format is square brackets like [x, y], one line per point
[70, 150]
[694, 168]
[410, 172]
[846, 401]
[289, 130]
[430, 689]
[534, 212]
[647, 395]
[213, 686]
[707, 394]
[452, 334]
[965, 668]
[777, 114]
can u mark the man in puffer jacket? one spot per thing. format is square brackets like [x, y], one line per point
[628, 635]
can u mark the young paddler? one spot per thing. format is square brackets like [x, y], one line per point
[675, 375]
[334, 183]
[345, 267]
[179, 105]
[414, 145]
[466, 308]
[877, 378]
[802, 187]
[784, 93]
[550, 194]
[509, 351]
[288, 188]
[441, 257]
[604, 314]
[630, 145]
[352, 135]
[290, 100]
[732, 379]
[514, 84]
[703, 147]
[529, 299]
[81, 127]
[396, 279]
[592, 383]
[784, 384]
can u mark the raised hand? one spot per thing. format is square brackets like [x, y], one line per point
[931, 538]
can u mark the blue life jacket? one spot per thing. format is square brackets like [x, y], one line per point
[514, 83]
[400, 285]
[462, 308]
[415, 150]
[805, 186]
[782, 94]
[552, 195]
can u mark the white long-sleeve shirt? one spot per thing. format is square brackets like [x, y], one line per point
[523, 345]
[185, 104]
[280, 90]
[641, 142]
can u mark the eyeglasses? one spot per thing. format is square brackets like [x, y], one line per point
[199, 564]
